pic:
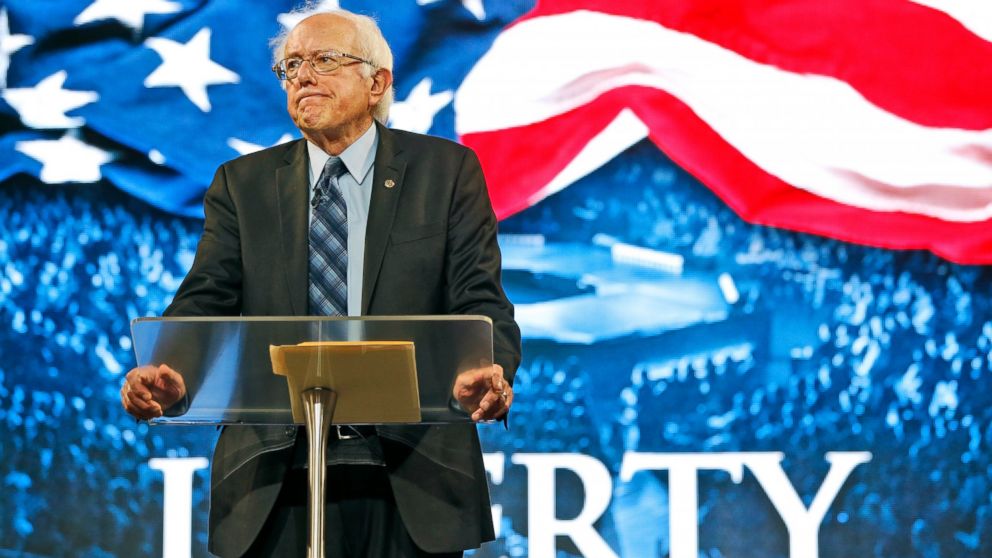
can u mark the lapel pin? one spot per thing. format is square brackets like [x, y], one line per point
[390, 183]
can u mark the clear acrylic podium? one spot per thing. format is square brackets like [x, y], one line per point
[316, 371]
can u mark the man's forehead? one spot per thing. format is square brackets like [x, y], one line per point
[321, 32]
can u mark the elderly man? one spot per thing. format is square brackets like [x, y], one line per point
[354, 219]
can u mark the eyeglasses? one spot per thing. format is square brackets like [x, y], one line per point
[323, 62]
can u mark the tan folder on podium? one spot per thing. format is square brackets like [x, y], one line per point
[375, 381]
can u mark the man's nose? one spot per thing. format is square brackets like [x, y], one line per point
[305, 74]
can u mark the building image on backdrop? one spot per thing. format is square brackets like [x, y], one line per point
[748, 244]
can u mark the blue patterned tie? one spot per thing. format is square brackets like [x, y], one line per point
[329, 245]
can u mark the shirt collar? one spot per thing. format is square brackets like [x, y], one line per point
[357, 157]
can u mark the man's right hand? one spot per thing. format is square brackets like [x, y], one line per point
[149, 390]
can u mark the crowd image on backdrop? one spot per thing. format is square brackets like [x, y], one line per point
[896, 361]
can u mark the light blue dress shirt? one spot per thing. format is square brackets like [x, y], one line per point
[356, 187]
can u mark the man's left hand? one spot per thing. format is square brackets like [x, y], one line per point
[484, 393]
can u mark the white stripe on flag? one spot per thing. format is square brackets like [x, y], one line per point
[976, 15]
[814, 132]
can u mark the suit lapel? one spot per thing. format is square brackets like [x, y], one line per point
[390, 165]
[292, 183]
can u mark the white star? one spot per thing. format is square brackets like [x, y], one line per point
[244, 147]
[292, 19]
[45, 104]
[416, 113]
[129, 12]
[9, 44]
[66, 159]
[475, 7]
[189, 67]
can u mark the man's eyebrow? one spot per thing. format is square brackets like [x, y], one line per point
[300, 54]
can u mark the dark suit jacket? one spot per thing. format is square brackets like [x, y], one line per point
[430, 249]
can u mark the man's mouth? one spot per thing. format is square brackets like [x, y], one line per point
[304, 96]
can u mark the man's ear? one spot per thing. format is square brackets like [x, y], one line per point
[382, 80]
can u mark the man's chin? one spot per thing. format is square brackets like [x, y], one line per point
[311, 122]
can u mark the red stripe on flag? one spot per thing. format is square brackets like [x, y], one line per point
[909, 59]
[518, 162]
[761, 198]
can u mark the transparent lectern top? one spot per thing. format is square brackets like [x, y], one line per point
[228, 370]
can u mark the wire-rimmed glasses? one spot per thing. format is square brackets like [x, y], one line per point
[323, 62]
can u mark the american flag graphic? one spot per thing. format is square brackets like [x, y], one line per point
[867, 121]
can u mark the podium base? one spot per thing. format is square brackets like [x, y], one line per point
[318, 405]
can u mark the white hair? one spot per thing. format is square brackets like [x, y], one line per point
[372, 46]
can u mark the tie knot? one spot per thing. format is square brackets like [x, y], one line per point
[333, 168]
[327, 182]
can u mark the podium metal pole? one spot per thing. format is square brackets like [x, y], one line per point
[318, 405]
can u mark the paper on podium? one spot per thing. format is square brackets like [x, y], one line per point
[376, 381]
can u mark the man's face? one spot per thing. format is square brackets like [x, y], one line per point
[333, 103]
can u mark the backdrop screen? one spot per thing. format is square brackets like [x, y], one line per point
[749, 263]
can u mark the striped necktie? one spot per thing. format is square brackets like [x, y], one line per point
[329, 244]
